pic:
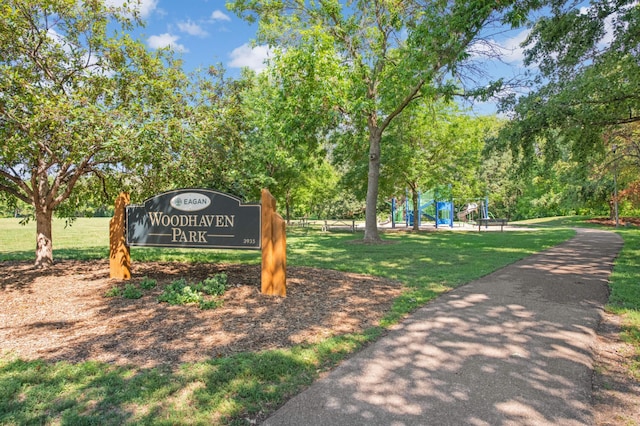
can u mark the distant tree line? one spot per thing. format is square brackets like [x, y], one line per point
[357, 105]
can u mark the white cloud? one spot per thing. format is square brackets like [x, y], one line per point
[166, 40]
[508, 50]
[251, 57]
[145, 7]
[512, 49]
[218, 15]
[192, 28]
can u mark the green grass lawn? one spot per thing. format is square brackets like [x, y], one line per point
[232, 390]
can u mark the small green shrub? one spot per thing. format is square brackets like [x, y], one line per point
[131, 292]
[210, 304]
[180, 292]
[148, 283]
[216, 285]
[114, 291]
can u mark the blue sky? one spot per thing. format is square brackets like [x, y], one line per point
[204, 32]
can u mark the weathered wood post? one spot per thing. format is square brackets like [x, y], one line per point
[119, 256]
[274, 248]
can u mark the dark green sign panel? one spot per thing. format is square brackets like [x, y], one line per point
[194, 218]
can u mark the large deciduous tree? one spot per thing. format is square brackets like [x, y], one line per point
[290, 112]
[392, 53]
[589, 77]
[79, 98]
[435, 145]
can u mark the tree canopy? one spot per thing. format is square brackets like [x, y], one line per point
[80, 98]
[391, 53]
[589, 76]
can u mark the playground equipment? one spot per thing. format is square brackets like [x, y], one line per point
[465, 214]
[444, 213]
[424, 210]
[468, 210]
[440, 212]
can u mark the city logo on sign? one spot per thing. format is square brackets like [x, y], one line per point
[190, 202]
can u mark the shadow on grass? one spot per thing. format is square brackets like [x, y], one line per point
[625, 292]
[241, 387]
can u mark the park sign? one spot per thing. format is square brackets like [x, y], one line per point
[194, 218]
[201, 218]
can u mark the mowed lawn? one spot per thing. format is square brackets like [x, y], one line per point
[235, 390]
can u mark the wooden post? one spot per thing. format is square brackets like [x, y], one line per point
[274, 248]
[119, 256]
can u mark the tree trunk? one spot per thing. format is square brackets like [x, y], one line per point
[416, 209]
[371, 234]
[44, 245]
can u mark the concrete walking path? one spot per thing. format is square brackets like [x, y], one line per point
[511, 348]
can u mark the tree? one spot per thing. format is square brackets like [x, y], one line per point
[79, 99]
[286, 135]
[392, 53]
[588, 80]
[436, 145]
[209, 149]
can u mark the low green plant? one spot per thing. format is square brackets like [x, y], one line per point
[214, 286]
[131, 292]
[209, 304]
[180, 292]
[148, 283]
[114, 291]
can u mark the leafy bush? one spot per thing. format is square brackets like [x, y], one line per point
[114, 291]
[131, 292]
[215, 286]
[209, 304]
[148, 283]
[180, 292]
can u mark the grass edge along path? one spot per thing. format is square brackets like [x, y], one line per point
[245, 387]
[624, 283]
[624, 299]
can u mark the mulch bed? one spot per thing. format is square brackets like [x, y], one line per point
[63, 314]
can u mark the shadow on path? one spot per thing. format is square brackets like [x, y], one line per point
[513, 347]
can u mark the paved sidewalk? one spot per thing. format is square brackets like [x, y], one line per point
[512, 348]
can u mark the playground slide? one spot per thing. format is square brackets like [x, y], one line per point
[463, 215]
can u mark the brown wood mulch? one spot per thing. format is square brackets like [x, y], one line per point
[63, 314]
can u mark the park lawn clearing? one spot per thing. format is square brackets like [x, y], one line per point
[160, 364]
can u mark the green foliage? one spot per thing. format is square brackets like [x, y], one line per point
[82, 103]
[436, 145]
[214, 286]
[383, 57]
[588, 81]
[114, 291]
[180, 292]
[148, 283]
[551, 183]
[131, 292]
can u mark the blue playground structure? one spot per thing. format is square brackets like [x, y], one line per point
[439, 212]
